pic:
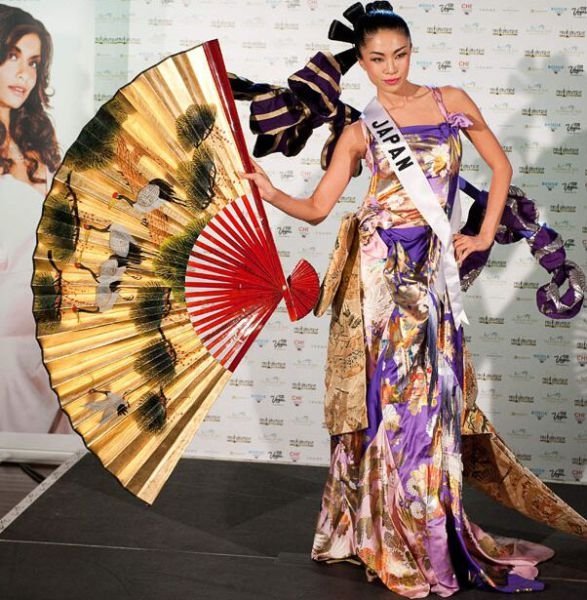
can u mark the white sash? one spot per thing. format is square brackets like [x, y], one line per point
[406, 167]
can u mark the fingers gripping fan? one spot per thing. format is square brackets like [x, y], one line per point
[155, 268]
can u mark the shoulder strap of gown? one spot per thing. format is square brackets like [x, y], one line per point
[438, 97]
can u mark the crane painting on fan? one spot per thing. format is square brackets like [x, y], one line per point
[152, 196]
[121, 242]
[112, 404]
[111, 270]
[107, 295]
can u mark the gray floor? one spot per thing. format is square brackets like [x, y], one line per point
[219, 530]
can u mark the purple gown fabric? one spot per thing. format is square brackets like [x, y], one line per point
[393, 498]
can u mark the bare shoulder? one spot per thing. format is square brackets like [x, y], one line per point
[456, 99]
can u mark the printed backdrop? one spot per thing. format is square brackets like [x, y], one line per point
[523, 63]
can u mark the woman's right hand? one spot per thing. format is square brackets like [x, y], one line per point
[267, 190]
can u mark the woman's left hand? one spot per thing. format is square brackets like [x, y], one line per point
[467, 244]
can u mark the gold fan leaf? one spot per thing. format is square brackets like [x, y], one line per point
[153, 172]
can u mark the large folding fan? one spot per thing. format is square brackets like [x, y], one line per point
[155, 267]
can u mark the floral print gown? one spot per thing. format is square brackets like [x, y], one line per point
[393, 497]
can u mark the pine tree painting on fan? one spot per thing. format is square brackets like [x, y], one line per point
[155, 267]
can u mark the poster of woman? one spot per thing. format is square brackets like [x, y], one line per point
[46, 95]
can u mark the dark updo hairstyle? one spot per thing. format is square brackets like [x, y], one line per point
[30, 126]
[376, 16]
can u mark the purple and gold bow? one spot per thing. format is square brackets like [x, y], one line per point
[284, 118]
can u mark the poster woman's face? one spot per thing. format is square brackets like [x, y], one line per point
[18, 73]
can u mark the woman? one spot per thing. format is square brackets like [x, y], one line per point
[28, 156]
[393, 496]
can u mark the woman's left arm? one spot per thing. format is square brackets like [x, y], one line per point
[490, 150]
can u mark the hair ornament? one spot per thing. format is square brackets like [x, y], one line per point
[339, 32]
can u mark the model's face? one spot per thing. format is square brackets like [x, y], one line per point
[18, 73]
[386, 59]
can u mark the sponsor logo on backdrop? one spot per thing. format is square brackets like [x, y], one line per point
[550, 380]
[553, 324]
[273, 364]
[541, 29]
[570, 187]
[486, 320]
[562, 359]
[492, 337]
[295, 455]
[558, 340]
[272, 382]
[209, 434]
[302, 421]
[270, 422]
[559, 416]
[572, 33]
[299, 344]
[301, 443]
[521, 433]
[238, 382]
[447, 8]
[541, 357]
[426, 6]
[552, 456]
[297, 399]
[238, 439]
[504, 32]
[239, 416]
[534, 53]
[554, 398]
[280, 344]
[489, 376]
[489, 394]
[303, 385]
[525, 319]
[521, 398]
[557, 474]
[518, 413]
[444, 65]
[277, 399]
[521, 341]
[551, 438]
[471, 51]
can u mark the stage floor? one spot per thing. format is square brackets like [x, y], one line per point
[219, 530]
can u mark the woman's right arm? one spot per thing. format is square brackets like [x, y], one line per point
[350, 148]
